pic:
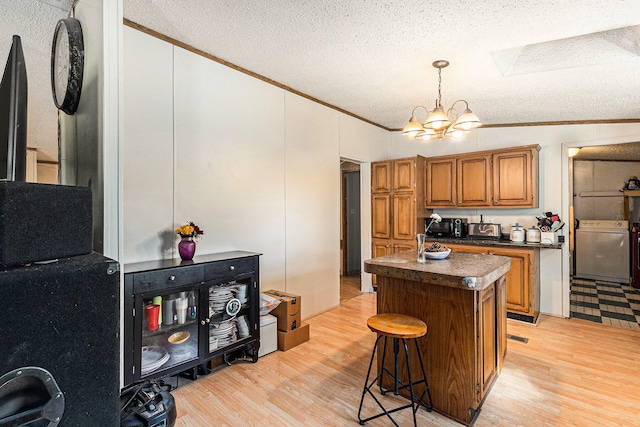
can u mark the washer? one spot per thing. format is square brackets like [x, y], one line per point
[602, 250]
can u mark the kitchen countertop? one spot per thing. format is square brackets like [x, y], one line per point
[490, 242]
[458, 270]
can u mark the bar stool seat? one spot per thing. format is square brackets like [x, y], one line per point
[400, 328]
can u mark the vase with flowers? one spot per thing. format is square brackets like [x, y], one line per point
[422, 257]
[188, 233]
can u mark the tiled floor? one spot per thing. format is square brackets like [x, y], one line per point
[609, 303]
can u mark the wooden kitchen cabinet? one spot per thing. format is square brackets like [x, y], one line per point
[473, 181]
[515, 178]
[505, 178]
[397, 205]
[523, 279]
[404, 217]
[398, 213]
[487, 339]
[380, 219]
[381, 177]
[404, 175]
[440, 183]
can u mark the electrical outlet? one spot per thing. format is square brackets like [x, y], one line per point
[489, 220]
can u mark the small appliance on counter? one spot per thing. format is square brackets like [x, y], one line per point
[485, 230]
[533, 235]
[448, 227]
[517, 233]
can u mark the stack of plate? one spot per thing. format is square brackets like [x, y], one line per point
[152, 358]
[226, 332]
[218, 299]
[241, 292]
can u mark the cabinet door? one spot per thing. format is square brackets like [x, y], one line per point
[487, 344]
[473, 181]
[404, 216]
[168, 342]
[401, 246]
[519, 290]
[404, 175]
[381, 177]
[471, 249]
[380, 221]
[514, 179]
[380, 248]
[441, 183]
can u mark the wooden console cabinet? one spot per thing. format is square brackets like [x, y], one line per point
[505, 178]
[523, 279]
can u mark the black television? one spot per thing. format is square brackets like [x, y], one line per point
[13, 116]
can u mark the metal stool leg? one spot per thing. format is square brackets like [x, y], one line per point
[397, 385]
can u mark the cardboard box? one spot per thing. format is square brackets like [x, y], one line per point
[288, 312]
[288, 340]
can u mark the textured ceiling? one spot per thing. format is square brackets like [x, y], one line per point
[373, 58]
[34, 21]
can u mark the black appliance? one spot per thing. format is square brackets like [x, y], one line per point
[447, 227]
[460, 227]
[147, 404]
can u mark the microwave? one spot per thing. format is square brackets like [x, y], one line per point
[448, 227]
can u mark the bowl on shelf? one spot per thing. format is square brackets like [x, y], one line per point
[437, 255]
[179, 337]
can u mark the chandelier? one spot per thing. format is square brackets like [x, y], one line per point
[438, 123]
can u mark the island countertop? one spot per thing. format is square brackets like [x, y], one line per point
[458, 270]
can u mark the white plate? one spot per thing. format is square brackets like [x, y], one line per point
[153, 357]
[437, 255]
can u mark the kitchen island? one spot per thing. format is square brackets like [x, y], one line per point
[462, 299]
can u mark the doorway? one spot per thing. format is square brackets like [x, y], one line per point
[350, 237]
[600, 288]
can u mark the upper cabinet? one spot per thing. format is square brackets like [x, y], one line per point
[441, 182]
[381, 177]
[515, 178]
[404, 175]
[473, 180]
[506, 178]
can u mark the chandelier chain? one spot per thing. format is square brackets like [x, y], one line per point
[439, 86]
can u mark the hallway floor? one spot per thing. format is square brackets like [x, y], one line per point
[609, 303]
[349, 287]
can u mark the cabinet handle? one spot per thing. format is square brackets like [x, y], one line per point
[207, 320]
[172, 278]
[202, 322]
[232, 268]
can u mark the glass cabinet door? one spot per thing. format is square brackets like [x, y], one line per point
[169, 335]
[228, 318]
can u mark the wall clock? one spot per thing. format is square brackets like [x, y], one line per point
[67, 64]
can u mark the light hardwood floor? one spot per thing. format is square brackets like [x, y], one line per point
[570, 373]
[349, 287]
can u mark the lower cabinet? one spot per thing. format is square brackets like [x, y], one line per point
[179, 315]
[382, 247]
[523, 279]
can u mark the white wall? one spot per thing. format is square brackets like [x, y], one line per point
[256, 167]
[553, 184]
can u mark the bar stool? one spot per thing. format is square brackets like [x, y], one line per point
[401, 328]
